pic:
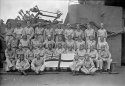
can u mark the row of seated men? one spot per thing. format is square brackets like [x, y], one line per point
[84, 59]
[32, 43]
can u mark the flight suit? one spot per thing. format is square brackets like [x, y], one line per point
[105, 56]
[89, 33]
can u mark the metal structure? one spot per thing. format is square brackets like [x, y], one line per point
[29, 16]
[36, 9]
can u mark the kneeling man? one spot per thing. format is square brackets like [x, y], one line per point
[88, 65]
[76, 65]
[105, 56]
[22, 64]
[37, 64]
[94, 56]
[10, 59]
[79, 58]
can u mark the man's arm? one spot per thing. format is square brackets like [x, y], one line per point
[32, 63]
[97, 55]
[105, 33]
[32, 33]
[109, 54]
[93, 33]
[6, 54]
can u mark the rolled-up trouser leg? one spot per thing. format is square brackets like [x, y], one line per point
[42, 68]
[37, 69]
[109, 61]
[78, 66]
[100, 63]
[19, 68]
[92, 70]
[9, 64]
[72, 66]
[84, 70]
[26, 66]
[97, 62]
[14, 64]
[34, 68]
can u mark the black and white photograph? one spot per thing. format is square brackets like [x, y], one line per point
[62, 42]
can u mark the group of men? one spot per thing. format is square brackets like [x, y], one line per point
[28, 47]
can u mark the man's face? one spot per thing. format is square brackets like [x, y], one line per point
[102, 25]
[91, 48]
[25, 37]
[59, 27]
[9, 48]
[102, 39]
[69, 37]
[82, 47]
[36, 36]
[60, 38]
[88, 26]
[68, 26]
[59, 46]
[18, 24]
[9, 25]
[50, 47]
[28, 23]
[76, 57]
[70, 48]
[31, 47]
[91, 38]
[39, 25]
[78, 26]
[87, 57]
[38, 56]
[103, 49]
[22, 57]
[101, 28]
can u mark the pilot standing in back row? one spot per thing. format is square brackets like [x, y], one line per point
[102, 33]
[28, 30]
[89, 32]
